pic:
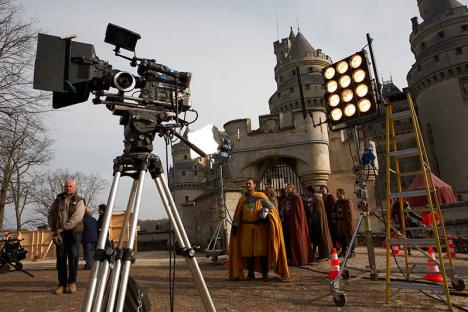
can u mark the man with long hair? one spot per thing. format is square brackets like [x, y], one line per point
[256, 241]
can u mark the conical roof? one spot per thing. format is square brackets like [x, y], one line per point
[300, 47]
[430, 8]
[292, 36]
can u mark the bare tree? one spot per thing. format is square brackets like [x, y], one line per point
[24, 147]
[17, 42]
[89, 186]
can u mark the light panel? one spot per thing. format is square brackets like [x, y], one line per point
[349, 94]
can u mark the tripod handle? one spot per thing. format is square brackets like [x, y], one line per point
[188, 143]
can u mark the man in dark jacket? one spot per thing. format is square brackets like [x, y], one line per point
[66, 222]
[89, 238]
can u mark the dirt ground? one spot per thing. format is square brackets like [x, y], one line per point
[307, 289]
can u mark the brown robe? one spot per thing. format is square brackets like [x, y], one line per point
[330, 207]
[300, 251]
[321, 233]
[346, 218]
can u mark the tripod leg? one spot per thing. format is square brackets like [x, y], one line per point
[118, 262]
[128, 254]
[184, 242]
[350, 245]
[101, 265]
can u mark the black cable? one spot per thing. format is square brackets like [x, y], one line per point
[171, 240]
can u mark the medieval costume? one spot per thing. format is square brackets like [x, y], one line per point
[300, 251]
[346, 217]
[318, 229]
[256, 244]
[330, 207]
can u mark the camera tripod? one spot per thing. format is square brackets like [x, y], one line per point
[110, 271]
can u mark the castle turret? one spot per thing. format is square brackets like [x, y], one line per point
[438, 81]
[292, 53]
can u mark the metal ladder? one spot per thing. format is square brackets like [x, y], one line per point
[394, 155]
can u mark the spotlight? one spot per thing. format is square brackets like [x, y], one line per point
[349, 93]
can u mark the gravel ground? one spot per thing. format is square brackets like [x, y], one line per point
[307, 289]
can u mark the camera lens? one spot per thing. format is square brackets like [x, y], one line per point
[124, 81]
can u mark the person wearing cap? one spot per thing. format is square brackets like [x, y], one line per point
[89, 238]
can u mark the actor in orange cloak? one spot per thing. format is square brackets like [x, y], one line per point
[256, 244]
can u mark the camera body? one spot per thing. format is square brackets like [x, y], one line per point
[71, 70]
[11, 253]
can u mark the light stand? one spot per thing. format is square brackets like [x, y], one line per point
[336, 285]
[219, 241]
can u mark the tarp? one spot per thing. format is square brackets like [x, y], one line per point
[444, 191]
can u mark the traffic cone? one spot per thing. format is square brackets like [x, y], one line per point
[433, 274]
[335, 265]
[395, 249]
[451, 246]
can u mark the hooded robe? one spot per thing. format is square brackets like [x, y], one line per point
[300, 251]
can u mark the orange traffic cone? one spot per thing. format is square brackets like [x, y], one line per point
[395, 249]
[335, 265]
[433, 274]
[451, 247]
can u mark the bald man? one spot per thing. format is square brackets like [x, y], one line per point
[66, 222]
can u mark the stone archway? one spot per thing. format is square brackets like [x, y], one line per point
[278, 173]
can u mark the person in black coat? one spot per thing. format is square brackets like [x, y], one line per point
[89, 238]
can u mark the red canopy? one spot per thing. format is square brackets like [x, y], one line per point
[444, 191]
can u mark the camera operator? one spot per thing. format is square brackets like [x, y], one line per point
[66, 223]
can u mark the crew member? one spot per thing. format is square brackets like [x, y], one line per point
[66, 222]
[256, 241]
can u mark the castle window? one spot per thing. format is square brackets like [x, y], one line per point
[308, 86]
[293, 72]
[281, 78]
[279, 94]
[195, 173]
[186, 198]
[297, 105]
[308, 101]
[459, 51]
[464, 27]
[185, 157]
[183, 173]
[291, 90]
[311, 69]
[441, 34]
[436, 58]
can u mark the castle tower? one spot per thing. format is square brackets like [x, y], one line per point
[292, 52]
[187, 179]
[438, 81]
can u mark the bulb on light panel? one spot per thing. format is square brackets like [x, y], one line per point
[356, 61]
[345, 81]
[349, 110]
[364, 105]
[334, 100]
[329, 73]
[359, 75]
[332, 85]
[347, 95]
[362, 90]
[336, 114]
[342, 67]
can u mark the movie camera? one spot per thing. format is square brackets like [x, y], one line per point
[11, 255]
[71, 70]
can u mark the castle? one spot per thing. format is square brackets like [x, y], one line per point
[290, 147]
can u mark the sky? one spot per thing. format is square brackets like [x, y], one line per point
[227, 45]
